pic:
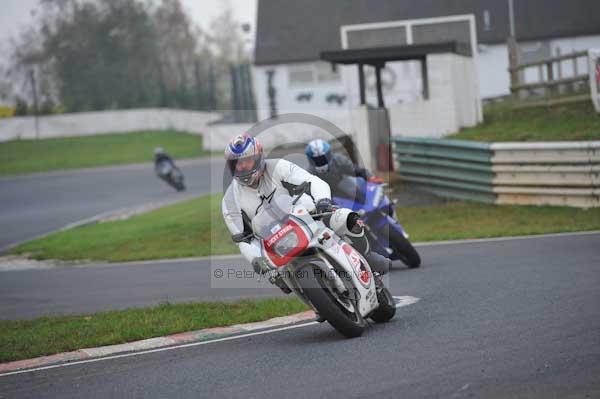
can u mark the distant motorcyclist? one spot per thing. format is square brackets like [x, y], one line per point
[161, 156]
[165, 168]
[333, 167]
[257, 180]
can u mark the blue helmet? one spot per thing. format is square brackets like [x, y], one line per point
[319, 154]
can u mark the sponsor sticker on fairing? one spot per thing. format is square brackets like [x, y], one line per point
[275, 237]
[356, 262]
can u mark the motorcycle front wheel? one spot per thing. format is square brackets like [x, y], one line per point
[403, 249]
[387, 307]
[342, 315]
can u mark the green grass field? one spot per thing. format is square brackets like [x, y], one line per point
[24, 339]
[191, 228]
[502, 123]
[195, 228]
[28, 156]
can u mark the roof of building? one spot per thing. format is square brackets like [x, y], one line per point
[299, 30]
[381, 55]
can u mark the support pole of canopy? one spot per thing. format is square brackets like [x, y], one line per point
[425, 78]
[361, 83]
[380, 103]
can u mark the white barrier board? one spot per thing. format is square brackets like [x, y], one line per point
[594, 57]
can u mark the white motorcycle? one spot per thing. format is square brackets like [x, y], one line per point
[322, 269]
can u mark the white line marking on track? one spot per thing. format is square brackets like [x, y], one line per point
[192, 344]
[400, 302]
[405, 300]
[495, 239]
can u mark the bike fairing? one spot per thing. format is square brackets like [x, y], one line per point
[278, 221]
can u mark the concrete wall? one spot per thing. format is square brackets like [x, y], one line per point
[289, 128]
[453, 101]
[217, 136]
[91, 123]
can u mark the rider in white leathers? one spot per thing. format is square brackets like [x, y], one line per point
[278, 174]
[257, 181]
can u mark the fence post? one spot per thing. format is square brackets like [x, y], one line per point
[550, 89]
[559, 70]
[513, 62]
[575, 85]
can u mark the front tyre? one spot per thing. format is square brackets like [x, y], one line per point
[403, 249]
[387, 307]
[348, 323]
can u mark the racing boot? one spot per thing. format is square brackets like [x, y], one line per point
[263, 269]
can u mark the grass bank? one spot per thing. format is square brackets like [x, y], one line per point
[24, 339]
[190, 228]
[28, 156]
[558, 123]
[195, 228]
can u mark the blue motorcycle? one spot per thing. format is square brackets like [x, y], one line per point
[385, 233]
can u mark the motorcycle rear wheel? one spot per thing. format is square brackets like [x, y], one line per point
[349, 324]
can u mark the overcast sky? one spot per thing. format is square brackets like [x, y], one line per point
[14, 14]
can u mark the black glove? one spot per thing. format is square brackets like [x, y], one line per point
[324, 205]
[242, 237]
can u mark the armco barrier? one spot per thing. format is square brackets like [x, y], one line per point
[450, 168]
[555, 173]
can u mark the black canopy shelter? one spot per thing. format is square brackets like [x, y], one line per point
[378, 56]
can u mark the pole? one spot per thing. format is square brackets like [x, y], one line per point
[511, 17]
[361, 83]
[380, 103]
[513, 51]
[35, 102]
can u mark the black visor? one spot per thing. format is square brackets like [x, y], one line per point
[321, 160]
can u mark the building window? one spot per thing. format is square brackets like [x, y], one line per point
[301, 75]
[326, 74]
[312, 74]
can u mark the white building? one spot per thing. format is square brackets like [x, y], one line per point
[289, 76]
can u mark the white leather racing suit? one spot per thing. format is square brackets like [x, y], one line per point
[280, 176]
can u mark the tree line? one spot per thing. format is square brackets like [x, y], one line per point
[83, 55]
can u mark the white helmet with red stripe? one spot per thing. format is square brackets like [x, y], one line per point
[245, 159]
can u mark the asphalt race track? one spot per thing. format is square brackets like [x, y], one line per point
[513, 318]
[36, 204]
[32, 293]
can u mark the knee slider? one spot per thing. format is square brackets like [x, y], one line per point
[344, 222]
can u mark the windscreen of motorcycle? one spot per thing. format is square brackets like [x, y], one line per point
[272, 216]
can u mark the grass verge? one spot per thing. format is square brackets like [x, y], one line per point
[558, 123]
[25, 339]
[28, 156]
[195, 228]
[190, 228]
[463, 220]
